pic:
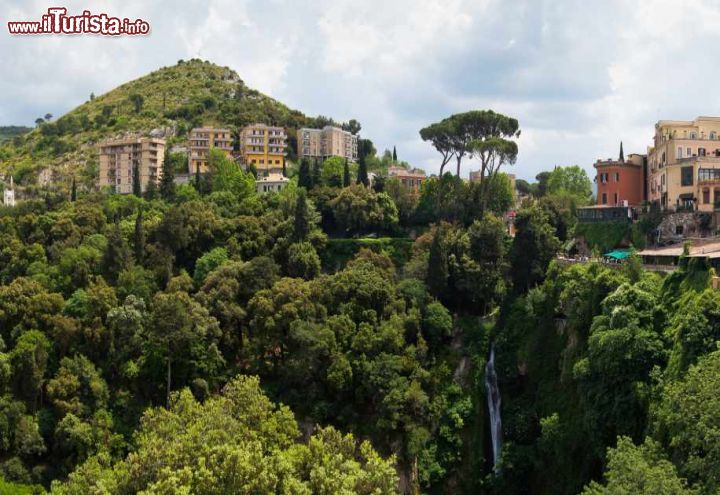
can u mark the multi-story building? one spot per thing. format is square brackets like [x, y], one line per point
[202, 139]
[120, 157]
[621, 182]
[264, 147]
[326, 142]
[684, 164]
[411, 179]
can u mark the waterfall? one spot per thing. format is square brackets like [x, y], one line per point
[493, 399]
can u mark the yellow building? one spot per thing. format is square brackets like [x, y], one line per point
[201, 140]
[684, 164]
[264, 147]
[120, 157]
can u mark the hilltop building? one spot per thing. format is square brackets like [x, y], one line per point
[411, 179]
[621, 182]
[202, 139]
[9, 194]
[120, 157]
[264, 147]
[326, 142]
[684, 164]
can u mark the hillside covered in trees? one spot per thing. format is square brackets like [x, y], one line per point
[334, 337]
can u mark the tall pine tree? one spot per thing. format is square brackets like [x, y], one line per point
[437, 274]
[137, 187]
[346, 174]
[117, 254]
[304, 178]
[316, 173]
[198, 184]
[362, 175]
[167, 181]
[139, 237]
[301, 224]
[394, 154]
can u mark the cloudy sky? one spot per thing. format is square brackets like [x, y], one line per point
[578, 75]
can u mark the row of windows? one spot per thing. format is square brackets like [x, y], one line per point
[262, 162]
[604, 177]
[604, 198]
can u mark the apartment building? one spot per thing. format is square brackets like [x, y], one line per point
[684, 164]
[412, 179]
[201, 140]
[326, 142]
[621, 182]
[120, 157]
[264, 147]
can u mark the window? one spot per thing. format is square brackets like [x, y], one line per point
[713, 135]
[604, 198]
[679, 152]
[706, 195]
[709, 174]
[701, 151]
[617, 176]
[615, 198]
[693, 135]
[689, 152]
[686, 176]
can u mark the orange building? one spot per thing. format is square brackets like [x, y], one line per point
[621, 182]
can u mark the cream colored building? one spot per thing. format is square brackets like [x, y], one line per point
[119, 157]
[684, 164]
[201, 140]
[264, 147]
[326, 142]
[273, 182]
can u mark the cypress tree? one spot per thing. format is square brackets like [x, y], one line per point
[167, 181]
[301, 224]
[362, 175]
[117, 254]
[151, 191]
[284, 172]
[197, 178]
[437, 274]
[394, 155]
[136, 186]
[139, 237]
[316, 173]
[346, 174]
[304, 179]
[73, 190]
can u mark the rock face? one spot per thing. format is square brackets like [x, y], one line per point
[676, 226]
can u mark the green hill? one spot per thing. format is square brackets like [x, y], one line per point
[175, 99]
[9, 132]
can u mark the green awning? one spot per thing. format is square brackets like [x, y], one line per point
[618, 254]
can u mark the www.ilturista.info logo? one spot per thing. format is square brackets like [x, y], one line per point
[56, 21]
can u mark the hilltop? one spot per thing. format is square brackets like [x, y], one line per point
[169, 101]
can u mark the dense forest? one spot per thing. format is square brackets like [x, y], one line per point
[334, 337]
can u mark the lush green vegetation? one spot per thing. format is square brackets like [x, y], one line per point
[332, 338]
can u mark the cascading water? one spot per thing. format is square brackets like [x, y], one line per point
[493, 399]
